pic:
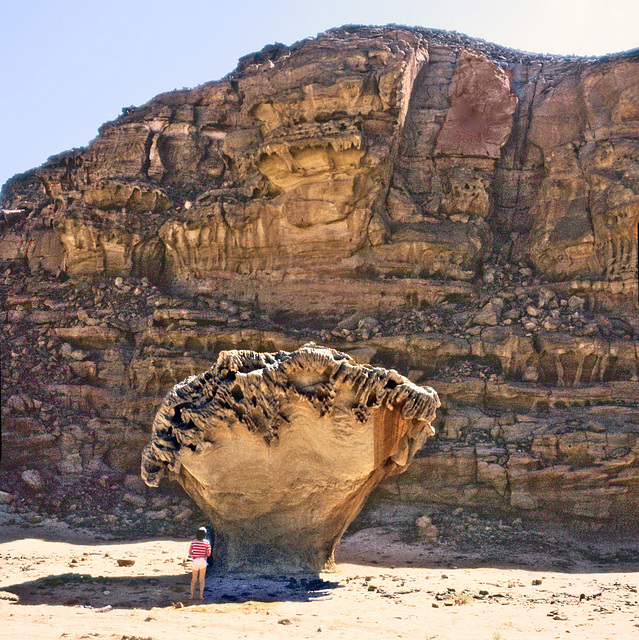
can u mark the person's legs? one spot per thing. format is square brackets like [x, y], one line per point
[193, 580]
[202, 573]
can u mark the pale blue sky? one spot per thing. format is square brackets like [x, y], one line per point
[67, 66]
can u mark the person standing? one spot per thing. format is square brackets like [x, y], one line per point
[199, 551]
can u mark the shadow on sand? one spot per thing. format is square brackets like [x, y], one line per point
[146, 592]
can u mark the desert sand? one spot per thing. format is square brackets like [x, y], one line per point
[60, 584]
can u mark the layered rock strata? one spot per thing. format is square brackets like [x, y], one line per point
[281, 450]
[366, 154]
[460, 212]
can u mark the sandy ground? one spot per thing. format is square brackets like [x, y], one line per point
[384, 588]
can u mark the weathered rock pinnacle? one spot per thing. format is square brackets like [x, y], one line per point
[280, 450]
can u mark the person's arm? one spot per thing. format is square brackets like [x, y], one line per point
[209, 551]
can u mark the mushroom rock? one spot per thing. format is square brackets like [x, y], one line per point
[281, 450]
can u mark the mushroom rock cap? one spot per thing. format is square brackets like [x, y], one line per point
[280, 450]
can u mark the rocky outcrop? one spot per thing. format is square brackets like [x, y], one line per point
[281, 450]
[572, 465]
[482, 105]
[460, 212]
[366, 152]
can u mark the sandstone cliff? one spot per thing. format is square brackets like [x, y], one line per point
[464, 213]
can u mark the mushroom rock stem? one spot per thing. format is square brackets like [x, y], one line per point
[281, 450]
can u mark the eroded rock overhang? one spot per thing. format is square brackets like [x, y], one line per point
[280, 450]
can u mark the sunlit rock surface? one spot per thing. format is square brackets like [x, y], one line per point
[461, 212]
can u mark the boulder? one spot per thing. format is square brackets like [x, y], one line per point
[426, 530]
[280, 450]
[33, 479]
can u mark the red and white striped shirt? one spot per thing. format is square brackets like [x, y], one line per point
[200, 549]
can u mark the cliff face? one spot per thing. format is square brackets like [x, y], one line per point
[464, 213]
